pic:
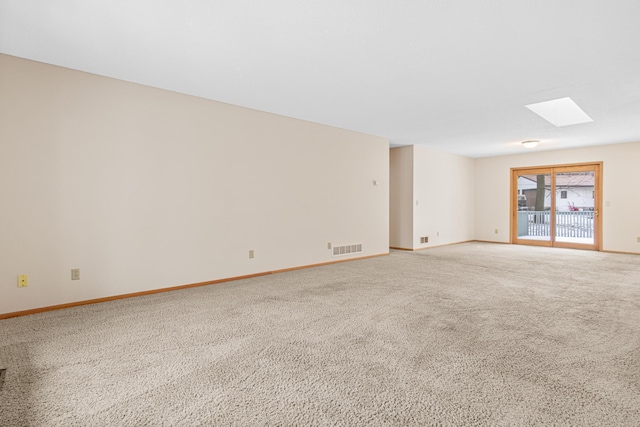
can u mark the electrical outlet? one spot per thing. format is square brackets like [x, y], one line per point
[23, 280]
[75, 274]
[329, 245]
[638, 239]
[251, 254]
[437, 234]
[496, 231]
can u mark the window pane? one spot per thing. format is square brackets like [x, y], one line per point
[534, 204]
[574, 207]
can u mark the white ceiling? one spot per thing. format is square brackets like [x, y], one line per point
[454, 75]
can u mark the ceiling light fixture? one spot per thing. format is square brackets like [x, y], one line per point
[530, 143]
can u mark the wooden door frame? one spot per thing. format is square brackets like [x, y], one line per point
[552, 170]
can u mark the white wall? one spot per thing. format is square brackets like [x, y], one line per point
[143, 189]
[401, 197]
[432, 195]
[444, 191]
[621, 193]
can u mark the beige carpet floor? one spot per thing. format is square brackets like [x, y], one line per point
[470, 334]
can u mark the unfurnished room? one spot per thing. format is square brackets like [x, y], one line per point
[345, 213]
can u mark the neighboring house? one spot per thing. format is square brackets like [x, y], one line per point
[574, 191]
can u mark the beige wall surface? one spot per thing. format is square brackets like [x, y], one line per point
[144, 189]
[401, 197]
[432, 195]
[444, 191]
[620, 192]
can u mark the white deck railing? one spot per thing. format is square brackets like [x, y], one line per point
[568, 223]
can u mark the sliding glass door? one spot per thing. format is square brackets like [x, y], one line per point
[557, 206]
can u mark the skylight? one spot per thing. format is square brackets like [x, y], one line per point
[560, 112]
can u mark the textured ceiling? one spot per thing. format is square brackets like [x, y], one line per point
[453, 75]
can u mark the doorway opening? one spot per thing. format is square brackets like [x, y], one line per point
[557, 206]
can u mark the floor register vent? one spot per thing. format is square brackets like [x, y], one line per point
[346, 250]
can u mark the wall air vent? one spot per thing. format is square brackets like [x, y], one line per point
[347, 249]
[424, 239]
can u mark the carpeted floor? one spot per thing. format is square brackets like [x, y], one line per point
[470, 334]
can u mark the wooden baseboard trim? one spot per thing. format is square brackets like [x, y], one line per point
[492, 241]
[443, 245]
[123, 296]
[172, 288]
[434, 246]
[621, 252]
[304, 267]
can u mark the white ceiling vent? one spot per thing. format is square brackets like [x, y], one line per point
[347, 249]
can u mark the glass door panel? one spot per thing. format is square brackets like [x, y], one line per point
[534, 219]
[576, 207]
